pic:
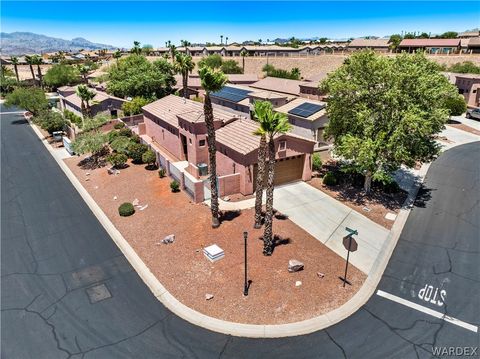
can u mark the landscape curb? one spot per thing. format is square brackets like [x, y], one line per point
[238, 329]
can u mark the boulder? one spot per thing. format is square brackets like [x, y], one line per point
[208, 296]
[298, 283]
[294, 265]
[320, 274]
[169, 239]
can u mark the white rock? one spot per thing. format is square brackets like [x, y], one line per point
[294, 265]
[391, 216]
[226, 199]
[208, 296]
[320, 274]
[135, 202]
[298, 283]
[96, 187]
[169, 239]
[144, 207]
[87, 174]
[87, 179]
[115, 198]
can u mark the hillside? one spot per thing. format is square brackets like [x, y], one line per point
[19, 43]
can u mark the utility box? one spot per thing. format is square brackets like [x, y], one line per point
[202, 169]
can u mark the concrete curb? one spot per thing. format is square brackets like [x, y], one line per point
[237, 329]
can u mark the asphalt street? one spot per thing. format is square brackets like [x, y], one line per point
[68, 292]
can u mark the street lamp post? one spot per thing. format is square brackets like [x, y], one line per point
[245, 288]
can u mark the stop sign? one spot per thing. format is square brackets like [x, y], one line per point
[350, 243]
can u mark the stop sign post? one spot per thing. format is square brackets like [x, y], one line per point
[350, 245]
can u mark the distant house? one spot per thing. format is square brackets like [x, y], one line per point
[433, 46]
[468, 34]
[474, 45]
[276, 84]
[381, 45]
[468, 85]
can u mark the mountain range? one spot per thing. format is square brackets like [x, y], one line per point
[20, 43]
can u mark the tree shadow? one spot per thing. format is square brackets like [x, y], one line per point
[92, 162]
[424, 195]
[453, 122]
[19, 122]
[229, 215]
[279, 216]
[153, 167]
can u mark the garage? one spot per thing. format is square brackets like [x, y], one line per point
[286, 170]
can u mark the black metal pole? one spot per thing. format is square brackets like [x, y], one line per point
[245, 288]
[348, 255]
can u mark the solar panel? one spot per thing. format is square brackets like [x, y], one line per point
[231, 94]
[306, 109]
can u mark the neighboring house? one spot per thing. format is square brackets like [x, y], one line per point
[468, 34]
[276, 84]
[242, 79]
[432, 46]
[308, 118]
[194, 85]
[474, 45]
[175, 128]
[381, 45]
[102, 102]
[468, 86]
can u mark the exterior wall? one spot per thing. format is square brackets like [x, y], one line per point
[308, 129]
[229, 184]
[228, 166]
[232, 105]
[275, 102]
[466, 88]
[164, 134]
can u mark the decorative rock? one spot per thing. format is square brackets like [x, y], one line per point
[294, 265]
[298, 283]
[320, 274]
[135, 202]
[87, 174]
[169, 239]
[391, 216]
[87, 179]
[208, 296]
[144, 207]
[226, 199]
[96, 187]
[366, 209]
[115, 198]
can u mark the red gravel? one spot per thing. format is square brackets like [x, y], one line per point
[182, 268]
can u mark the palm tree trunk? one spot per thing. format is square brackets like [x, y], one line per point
[243, 63]
[40, 76]
[268, 232]
[16, 73]
[262, 153]
[33, 74]
[185, 83]
[367, 185]
[212, 149]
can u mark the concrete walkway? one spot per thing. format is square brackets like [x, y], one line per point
[326, 219]
[468, 121]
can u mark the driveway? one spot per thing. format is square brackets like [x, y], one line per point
[326, 220]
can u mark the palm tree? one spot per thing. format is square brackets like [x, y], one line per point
[212, 81]
[226, 41]
[117, 54]
[83, 69]
[38, 60]
[221, 39]
[14, 61]
[31, 61]
[261, 113]
[184, 65]
[243, 53]
[136, 48]
[173, 52]
[274, 124]
[86, 95]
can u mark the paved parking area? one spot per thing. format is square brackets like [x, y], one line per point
[326, 219]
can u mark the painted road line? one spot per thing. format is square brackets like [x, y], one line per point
[12, 113]
[428, 311]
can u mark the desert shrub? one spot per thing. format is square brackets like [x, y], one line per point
[162, 173]
[119, 125]
[126, 209]
[456, 105]
[125, 132]
[316, 162]
[134, 107]
[112, 135]
[135, 138]
[136, 151]
[117, 160]
[120, 144]
[329, 179]
[149, 157]
[50, 121]
[174, 186]
[73, 118]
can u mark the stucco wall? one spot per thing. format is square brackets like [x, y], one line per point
[159, 132]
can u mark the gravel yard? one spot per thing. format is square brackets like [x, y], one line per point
[182, 268]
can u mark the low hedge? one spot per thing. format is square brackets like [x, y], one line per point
[329, 179]
[126, 209]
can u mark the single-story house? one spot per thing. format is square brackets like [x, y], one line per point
[474, 45]
[102, 102]
[308, 119]
[175, 128]
[468, 34]
[433, 46]
[468, 86]
[242, 79]
[381, 45]
[276, 84]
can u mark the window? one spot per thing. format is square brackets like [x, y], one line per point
[190, 141]
[282, 146]
[201, 143]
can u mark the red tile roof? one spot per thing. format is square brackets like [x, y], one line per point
[429, 42]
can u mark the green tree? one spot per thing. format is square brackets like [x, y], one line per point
[50, 121]
[394, 41]
[60, 75]
[86, 95]
[147, 49]
[456, 105]
[212, 81]
[84, 70]
[213, 61]
[117, 54]
[384, 112]
[14, 61]
[136, 49]
[231, 67]
[93, 142]
[149, 158]
[31, 61]
[31, 99]
[274, 123]
[184, 65]
[38, 60]
[466, 67]
[449, 35]
[134, 107]
[136, 151]
[121, 144]
[261, 113]
[135, 76]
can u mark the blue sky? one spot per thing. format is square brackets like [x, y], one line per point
[119, 23]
